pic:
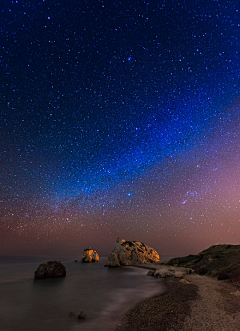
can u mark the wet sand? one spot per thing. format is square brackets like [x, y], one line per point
[205, 304]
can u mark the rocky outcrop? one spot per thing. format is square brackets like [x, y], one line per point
[82, 316]
[89, 255]
[168, 271]
[131, 253]
[50, 269]
[221, 261]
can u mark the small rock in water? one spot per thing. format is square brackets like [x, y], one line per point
[89, 255]
[76, 260]
[50, 269]
[82, 315]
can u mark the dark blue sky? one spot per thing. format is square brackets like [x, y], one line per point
[119, 118]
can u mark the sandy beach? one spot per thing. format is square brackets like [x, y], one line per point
[205, 304]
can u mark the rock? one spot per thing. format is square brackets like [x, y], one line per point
[237, 293]
[178, 274]
[113, 260]
[76, 261]
[223, 276]
[71, 314]
[184, 281]
[89, 255]
[163, 273]
[150, 273]
[82, 315]
[50, 269]
[131, 253]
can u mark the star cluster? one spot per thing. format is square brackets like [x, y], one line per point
[119, 118]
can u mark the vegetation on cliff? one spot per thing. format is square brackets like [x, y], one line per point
[221, 261]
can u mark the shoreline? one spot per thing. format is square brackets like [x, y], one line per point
[206, 304]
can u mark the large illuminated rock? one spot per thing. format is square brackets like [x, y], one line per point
[131, 253]
[89, 255]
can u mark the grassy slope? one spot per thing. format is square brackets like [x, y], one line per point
[222, 261]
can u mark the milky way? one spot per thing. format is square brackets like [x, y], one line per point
[119, 118]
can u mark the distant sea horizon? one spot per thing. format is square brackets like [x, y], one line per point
[67, 258]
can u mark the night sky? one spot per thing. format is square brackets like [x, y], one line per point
[119, 119]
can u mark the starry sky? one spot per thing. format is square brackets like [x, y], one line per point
[119, 119]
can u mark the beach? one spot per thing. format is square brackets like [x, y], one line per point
[205, 304]
[120, 299]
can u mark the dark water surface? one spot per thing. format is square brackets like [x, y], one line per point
[104, 294]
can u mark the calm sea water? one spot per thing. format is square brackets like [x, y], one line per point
[104, 294]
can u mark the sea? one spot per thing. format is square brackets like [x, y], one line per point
[103, 294]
